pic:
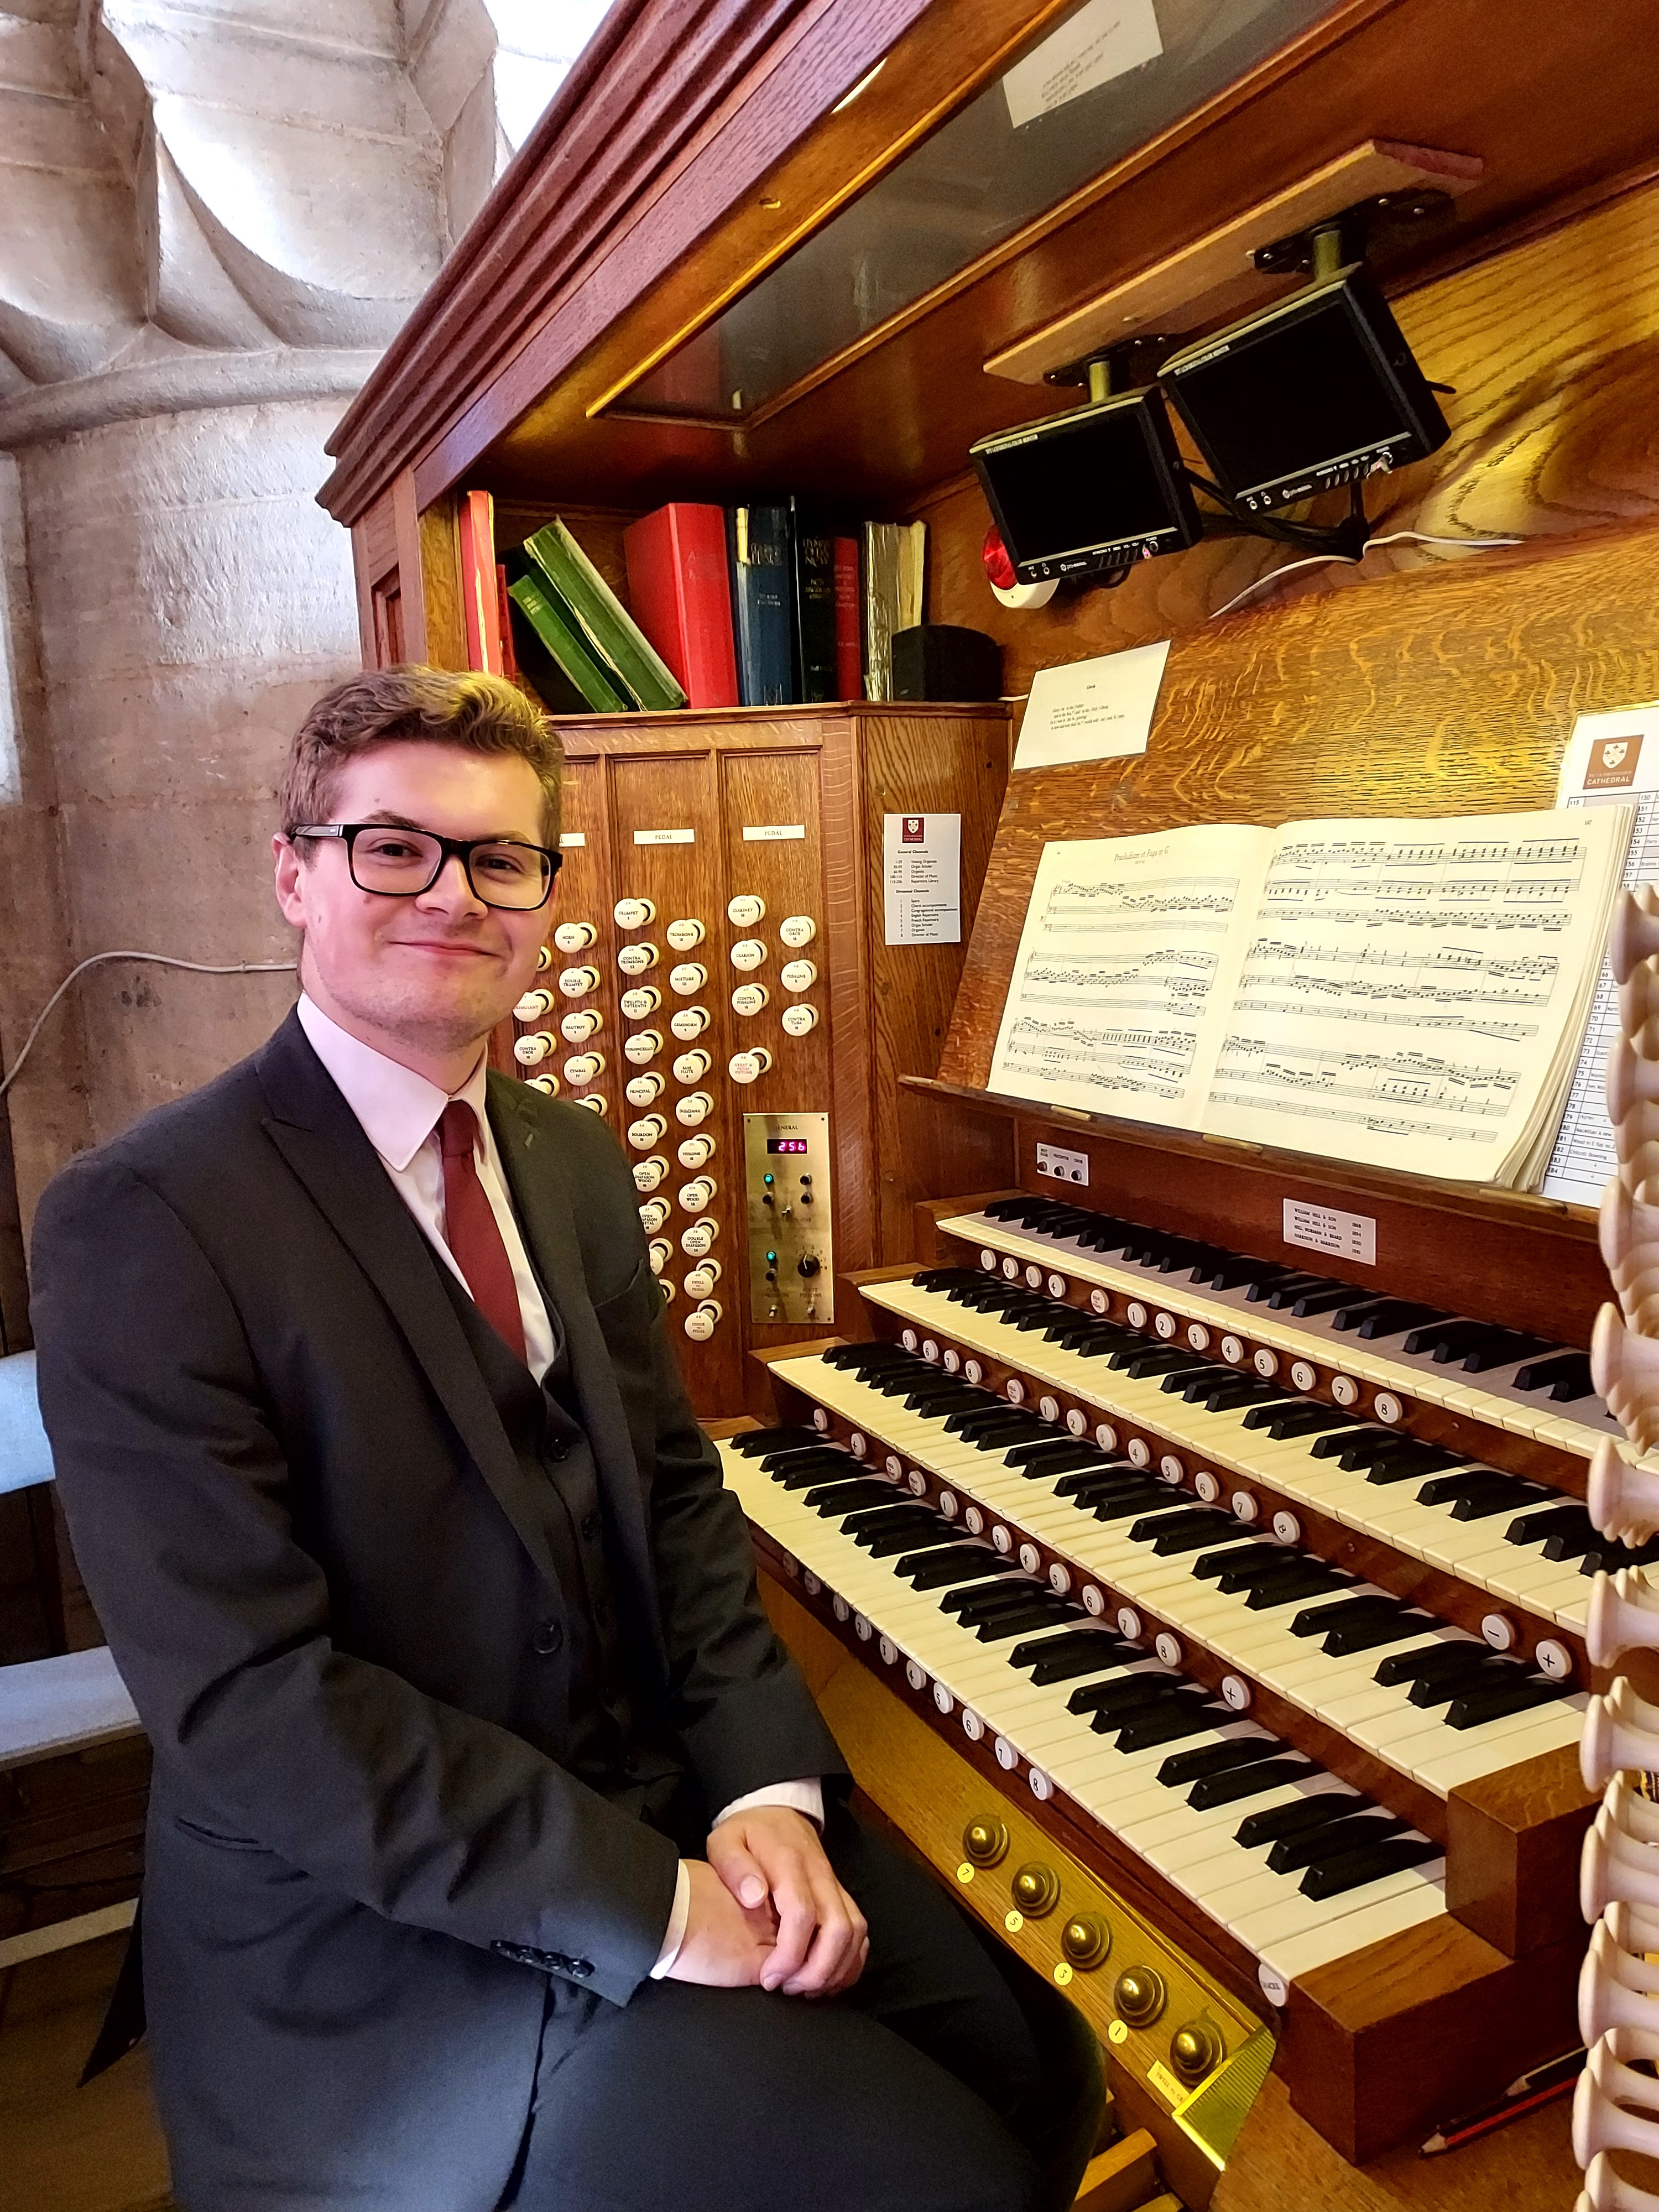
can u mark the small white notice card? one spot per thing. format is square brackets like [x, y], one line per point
[1104, 39]
[1099, 709]
[921, 878]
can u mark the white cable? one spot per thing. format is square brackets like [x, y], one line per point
[161, 960]
[1311, 561]
[1319, 560]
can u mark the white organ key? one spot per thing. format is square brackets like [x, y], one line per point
[1429, 1533]
[1416, 1740]
[1195, 1849]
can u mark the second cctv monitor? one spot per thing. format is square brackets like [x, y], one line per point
[1081, 494]
[1318, 391]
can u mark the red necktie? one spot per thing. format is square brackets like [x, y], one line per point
[472, 1230]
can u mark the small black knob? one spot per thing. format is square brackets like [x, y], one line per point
[809, 1266]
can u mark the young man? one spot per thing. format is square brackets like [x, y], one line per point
[497, 1853]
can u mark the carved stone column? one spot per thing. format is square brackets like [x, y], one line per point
[212, 219]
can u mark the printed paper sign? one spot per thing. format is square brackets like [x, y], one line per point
[1105, 39]
[1099, 709]
[921, 878]
[1351, 1236]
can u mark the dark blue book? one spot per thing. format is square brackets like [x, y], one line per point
[763, 616]
[813, 555]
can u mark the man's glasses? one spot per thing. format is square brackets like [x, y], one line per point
[397, 863]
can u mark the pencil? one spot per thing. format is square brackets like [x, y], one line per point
[1457, 2133]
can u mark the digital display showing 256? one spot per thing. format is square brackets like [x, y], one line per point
[786, 1145]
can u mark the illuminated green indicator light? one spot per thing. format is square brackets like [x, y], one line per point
[771, 1258]
[766, 1180]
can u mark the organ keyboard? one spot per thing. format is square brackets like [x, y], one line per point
[1285, 1621]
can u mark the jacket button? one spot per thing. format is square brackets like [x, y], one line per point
[591, 1525]
[557, 1448]
[549, 1639]
[579, 1969]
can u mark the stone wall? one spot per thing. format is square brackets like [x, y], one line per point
[212, 218]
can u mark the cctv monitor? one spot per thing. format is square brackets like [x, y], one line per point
[1081, 494]
[1317, 391]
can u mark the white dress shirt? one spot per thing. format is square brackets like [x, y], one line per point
[399, 1112]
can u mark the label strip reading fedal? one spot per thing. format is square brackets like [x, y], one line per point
[665, 837]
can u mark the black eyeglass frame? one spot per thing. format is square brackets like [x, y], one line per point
[461, 848]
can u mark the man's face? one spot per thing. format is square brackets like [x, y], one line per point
[434, 972]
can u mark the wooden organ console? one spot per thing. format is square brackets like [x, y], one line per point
[717, 980]
[1212, 1613]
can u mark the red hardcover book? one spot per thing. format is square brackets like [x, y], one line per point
[480, 604]
[504, 617]
[849, 644]
[680, 591]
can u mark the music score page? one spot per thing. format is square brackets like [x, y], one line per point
[1126, 971]
[1404, 993]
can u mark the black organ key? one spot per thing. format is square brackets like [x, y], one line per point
[1183, 1767]
[1347, 1612]
[1317, 1810]
[1327, 1299]
[1472, 1708]
[1306, 1580]
[831, 1498]
[1370, 1863]
[755, 1443]
[948, 1568]
[1431, 1690]
[1055, 1456]
[1442, 1661]
[1241, 1782]
[1171, 1534]
[1283, 1295]
[1169, 1723]
[1566, 1377]
[811, 1470]
[1314, 1846]
[1064, 1658]
[1562, 1519]
[1371, 1318]
[976, 1605]
[1306, 1420]
[885, 1546]
[1111, 1702]
[1371, 1635]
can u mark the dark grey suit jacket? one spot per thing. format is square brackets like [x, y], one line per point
[325, 1584]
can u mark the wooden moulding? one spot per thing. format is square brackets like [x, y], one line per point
[1379, 2046]
[1214, 277]
[1512, 1845]
[1497, 1255]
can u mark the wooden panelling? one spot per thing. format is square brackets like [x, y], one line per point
[533, 324]
[1447, 691]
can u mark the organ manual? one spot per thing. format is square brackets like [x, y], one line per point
[1406, 993]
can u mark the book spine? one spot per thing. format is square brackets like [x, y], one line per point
[881, 596]
[758, 539]
[677, 582]
[480, 598]
[504, 619]
[849, 639]
[614, 636]
[559, 631]
[814, 570]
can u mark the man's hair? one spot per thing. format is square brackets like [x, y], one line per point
[424, 706]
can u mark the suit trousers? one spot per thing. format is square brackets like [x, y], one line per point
[934, 2084]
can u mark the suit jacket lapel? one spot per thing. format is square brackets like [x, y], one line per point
[323, 1143]
[542, 1200]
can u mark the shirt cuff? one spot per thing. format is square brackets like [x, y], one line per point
[806, 1797]
[675, 1934]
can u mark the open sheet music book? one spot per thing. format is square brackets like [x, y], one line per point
[1404, 993]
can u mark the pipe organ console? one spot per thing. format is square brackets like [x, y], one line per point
[718, 986]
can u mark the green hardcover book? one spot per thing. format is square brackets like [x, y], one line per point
[610, 629]
[563, 637]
